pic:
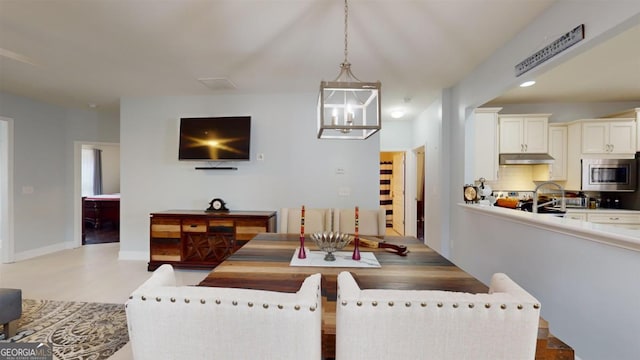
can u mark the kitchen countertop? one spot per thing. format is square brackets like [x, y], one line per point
[603, 233]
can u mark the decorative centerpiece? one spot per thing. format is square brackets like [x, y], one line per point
[331, 242]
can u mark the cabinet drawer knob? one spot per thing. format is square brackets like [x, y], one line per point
[193, 225]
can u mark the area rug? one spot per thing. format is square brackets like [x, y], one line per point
[77, 330]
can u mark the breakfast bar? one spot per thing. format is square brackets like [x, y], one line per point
[263, 263]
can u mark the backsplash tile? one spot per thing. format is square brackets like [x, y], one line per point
[513, 178]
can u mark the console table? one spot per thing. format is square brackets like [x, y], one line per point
[201, 239]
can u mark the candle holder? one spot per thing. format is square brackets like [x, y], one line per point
[356, 241]
[356, 249]
[302, 253]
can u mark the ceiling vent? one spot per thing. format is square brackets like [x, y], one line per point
[218, 84]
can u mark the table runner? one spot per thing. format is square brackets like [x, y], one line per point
[343, 259]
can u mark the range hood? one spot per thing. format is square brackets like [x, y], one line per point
[525, 159]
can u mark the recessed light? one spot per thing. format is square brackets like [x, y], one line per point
[397, 114]
[527, 83]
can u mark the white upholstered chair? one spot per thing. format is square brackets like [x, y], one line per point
[370, 222]
[166, 321]
[315, 220]
[442, 325]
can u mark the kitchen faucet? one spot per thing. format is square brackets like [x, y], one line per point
[534, 208]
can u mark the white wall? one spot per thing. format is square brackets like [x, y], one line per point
[429, 132]
[110, 168]
[588, 290]
[556, 277]
[297, 169]
[43, 163]
[425, 130]
[6, 190]
[396, 135]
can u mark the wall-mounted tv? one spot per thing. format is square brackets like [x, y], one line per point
[215, 138]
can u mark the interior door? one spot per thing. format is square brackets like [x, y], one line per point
[397, 192]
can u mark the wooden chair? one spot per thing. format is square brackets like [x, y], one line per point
[370, 222]
[315, 220]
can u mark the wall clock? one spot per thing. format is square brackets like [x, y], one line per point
[470, 194]
[217, 205]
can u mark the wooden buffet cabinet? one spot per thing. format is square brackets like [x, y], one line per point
[201, 239]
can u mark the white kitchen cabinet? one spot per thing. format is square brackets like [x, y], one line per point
[632, 114]
[574, 154]
[527, 133]
[621, 218]
[630, 220]
[556, 171]
[486, 143]
[609, 137]
[582, 216]
[558, 151]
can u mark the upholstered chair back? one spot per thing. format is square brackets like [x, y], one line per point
[443, 325]
[315, 220]
[370, 221]
[166, 321]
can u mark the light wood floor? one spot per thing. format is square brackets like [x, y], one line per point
[91, 273]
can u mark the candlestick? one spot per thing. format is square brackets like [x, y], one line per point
[356, 241]
[301, 253]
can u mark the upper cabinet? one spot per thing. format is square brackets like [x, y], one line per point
[558, 150]
[632, 114]
[609, 137]
[524, 133]
[486, 143]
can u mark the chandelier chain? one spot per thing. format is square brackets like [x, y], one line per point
[346, 23]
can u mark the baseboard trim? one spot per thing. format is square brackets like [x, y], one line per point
[133, 255]
[29, 254]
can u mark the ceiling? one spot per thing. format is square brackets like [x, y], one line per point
[608, 72]
[81, 53]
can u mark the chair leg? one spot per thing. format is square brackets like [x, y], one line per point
[10, 329]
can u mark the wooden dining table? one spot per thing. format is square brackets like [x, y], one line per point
[264, 264]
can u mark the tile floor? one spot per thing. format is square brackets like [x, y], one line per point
[91, 273]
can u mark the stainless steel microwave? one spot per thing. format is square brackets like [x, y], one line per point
[609, 174]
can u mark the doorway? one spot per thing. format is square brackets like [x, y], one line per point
[6, 190]
[392, 191]
[97, 178]
[420, 175]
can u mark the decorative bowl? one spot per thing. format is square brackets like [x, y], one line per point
[331, 242]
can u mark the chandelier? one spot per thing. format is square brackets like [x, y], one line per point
[347, 107]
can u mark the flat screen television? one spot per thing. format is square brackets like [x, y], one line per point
[215, 138]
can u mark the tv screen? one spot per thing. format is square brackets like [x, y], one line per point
[215, 138]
